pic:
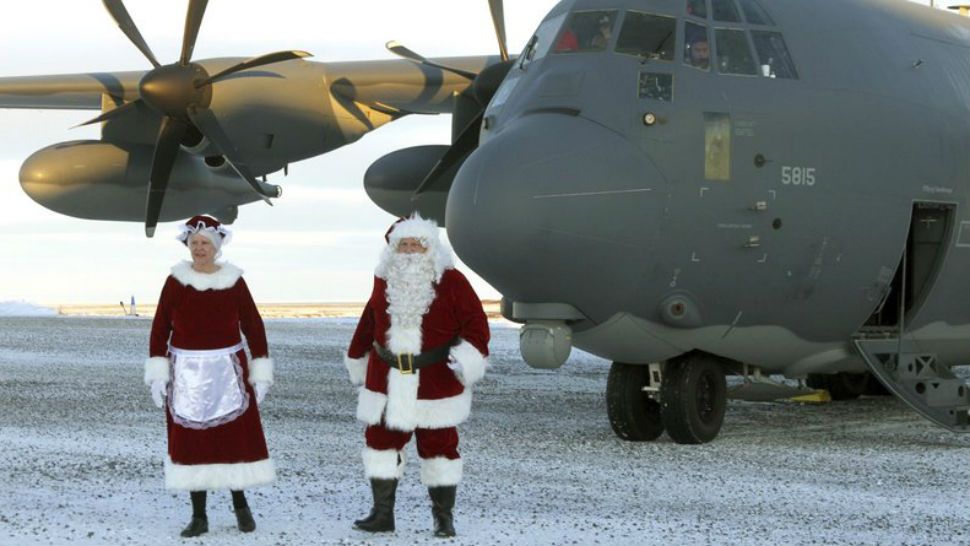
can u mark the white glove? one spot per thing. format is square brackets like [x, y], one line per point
[261, 390]
[159, 392]
[456, 367]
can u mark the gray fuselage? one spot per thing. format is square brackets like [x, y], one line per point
[778, 250]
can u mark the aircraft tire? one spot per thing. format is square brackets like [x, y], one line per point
[693, 399]
[633, 415]
[842, 385]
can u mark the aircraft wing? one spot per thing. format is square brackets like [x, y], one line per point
[68, 91]
[395, 86]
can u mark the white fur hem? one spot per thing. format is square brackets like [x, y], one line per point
[385, 464]
[156, 369]
[473, 363]
[440, 471]
[357, 368]
[441, 413]
[224, 278]
[261, 371]
[204, 477]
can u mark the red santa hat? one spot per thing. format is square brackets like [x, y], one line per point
[207, 226]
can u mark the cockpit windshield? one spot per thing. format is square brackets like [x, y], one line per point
[586, 31]
[647, 35]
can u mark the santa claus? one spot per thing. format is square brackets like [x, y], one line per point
[421, 343]
[198, 372]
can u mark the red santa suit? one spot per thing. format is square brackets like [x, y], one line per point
[215, 438]
[432, 400]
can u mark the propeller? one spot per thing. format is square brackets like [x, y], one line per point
[483, 86]
[180, 93]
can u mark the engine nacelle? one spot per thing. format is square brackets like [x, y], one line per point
[391, 180]
[97, 180]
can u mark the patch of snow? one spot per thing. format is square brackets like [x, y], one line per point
[20, 308]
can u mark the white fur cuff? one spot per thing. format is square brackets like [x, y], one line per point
[357, 368]
[261, 371]
[473, 363]
[156, 369]
[384, 464]
[439, 471]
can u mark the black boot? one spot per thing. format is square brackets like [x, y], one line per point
[199, 523]
[442, 502]
[381, 518]
[244, 517]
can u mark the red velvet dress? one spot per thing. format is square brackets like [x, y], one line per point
[198, 311]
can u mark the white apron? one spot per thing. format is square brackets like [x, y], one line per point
[207, 389]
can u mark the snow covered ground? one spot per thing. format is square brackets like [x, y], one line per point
[81, 447]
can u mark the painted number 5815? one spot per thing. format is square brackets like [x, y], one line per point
[798, 176]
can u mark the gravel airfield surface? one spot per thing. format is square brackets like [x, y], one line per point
[81, 450]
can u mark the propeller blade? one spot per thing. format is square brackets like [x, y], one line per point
[109, 114]
[209, 126]
[166, 149]
[463, 145]
[398, 49]
[498, 19]
[193, 20]
[262, 60]
[118, 12]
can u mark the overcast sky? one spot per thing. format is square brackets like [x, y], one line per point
[320, 242]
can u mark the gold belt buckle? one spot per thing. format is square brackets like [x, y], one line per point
[409, 358]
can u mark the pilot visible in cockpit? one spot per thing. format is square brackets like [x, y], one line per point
[604, 30]
[699, 53]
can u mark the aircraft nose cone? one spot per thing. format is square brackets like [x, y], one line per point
[552, 203]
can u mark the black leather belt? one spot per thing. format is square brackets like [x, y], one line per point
[407, 363]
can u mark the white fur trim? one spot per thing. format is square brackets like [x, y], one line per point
[473, 363]
[414, 227]
[384, 464]
[402, 400]
[357, 368]
[156, 369]
[204, 477]
[440, 471]
[403, 341]
[224, 278]
[441, 413]
[261, 371]
[370, 406]
[444, 412]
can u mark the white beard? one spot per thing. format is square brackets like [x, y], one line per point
[410, 291]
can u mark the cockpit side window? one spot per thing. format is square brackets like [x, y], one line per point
[697, 8]
[754, 13]
[725, 10]
[540, 43]
[586, 31]
[697, 46]
[733, 53]
[646, 35]
[773, 55]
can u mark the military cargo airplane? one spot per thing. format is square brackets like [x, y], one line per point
[688, 188]
[691, 188]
